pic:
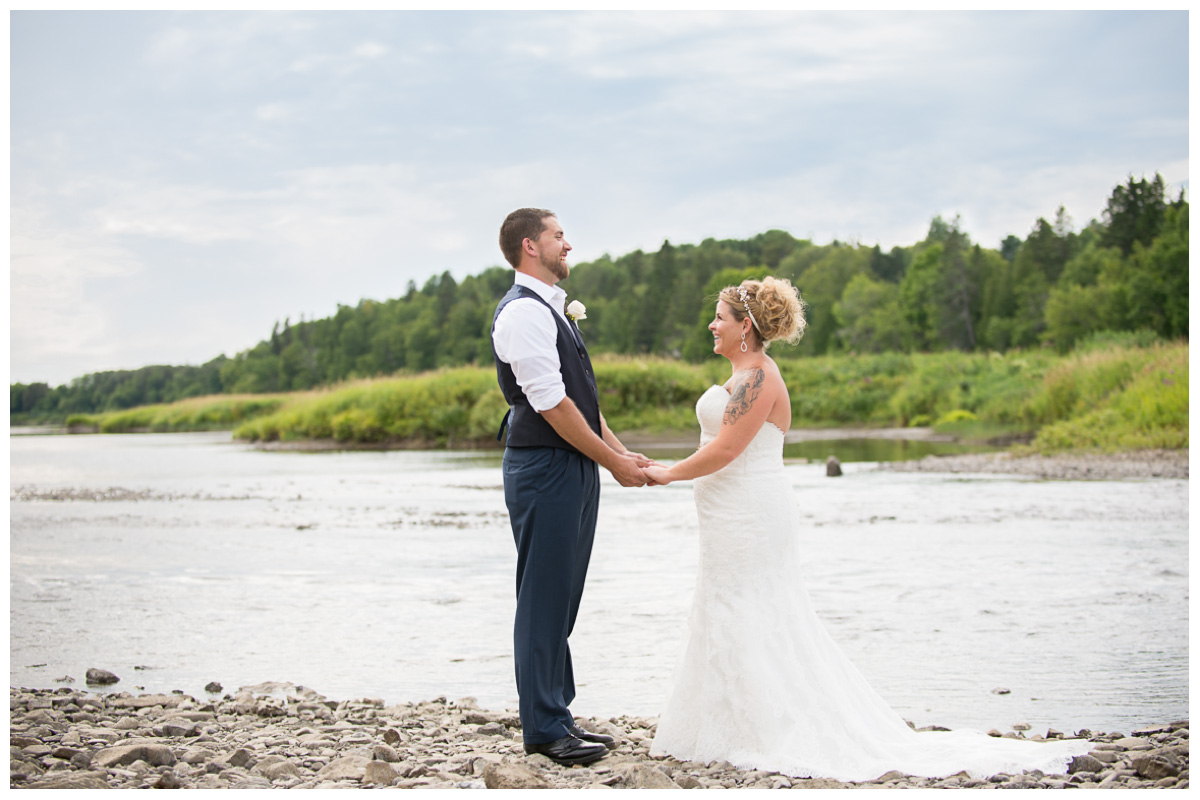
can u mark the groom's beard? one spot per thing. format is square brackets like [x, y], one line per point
[558, 268]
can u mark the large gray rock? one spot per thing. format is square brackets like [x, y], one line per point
[168, 780]
[20, 768]
[75, 780]
[156, 755]
[65, 753]
[1156, 766]
[100, 734]
[1131, 743]
[818, 783]
[276, 769]
[148, 701]
[512, 776]
[345, 768]
[379, 772]
[383, 752]
[100, 677]
[833, 467]
[180, 727]
[1084, 764]
[642, 776]
[196, 755]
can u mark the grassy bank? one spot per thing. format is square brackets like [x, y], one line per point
[1109, 399]
[216, 412]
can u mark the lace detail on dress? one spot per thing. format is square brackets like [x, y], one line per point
[760, 682]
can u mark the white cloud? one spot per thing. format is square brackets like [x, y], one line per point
[171, 45]
[271, 112]
[370, 50]
[54, 311]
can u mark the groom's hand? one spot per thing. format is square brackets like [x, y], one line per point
[641, 460]
[626, 470]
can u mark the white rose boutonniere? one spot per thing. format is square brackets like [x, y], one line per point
[576, 311]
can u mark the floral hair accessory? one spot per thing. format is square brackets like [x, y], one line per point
[744, 296]
[576, 311]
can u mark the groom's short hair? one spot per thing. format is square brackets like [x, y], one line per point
[522, 224]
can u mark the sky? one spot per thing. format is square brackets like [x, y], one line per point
[180, 181]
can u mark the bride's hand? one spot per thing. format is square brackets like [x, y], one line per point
[658, 474]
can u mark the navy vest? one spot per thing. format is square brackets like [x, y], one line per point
[526, 427]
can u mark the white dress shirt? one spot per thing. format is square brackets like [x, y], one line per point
[525, 337]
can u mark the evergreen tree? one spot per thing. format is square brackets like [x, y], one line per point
[1135, 213]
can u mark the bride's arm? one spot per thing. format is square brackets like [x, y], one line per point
[749, 404]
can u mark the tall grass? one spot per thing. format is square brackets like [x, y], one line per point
[214, 412]
[456, 407]
[1124, 397]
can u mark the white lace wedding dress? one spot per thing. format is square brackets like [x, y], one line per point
[761, 684]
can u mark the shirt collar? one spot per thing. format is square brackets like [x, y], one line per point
[553, 295]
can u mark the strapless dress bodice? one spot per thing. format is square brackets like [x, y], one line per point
[764, 450]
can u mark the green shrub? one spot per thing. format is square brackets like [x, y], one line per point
[957, 415]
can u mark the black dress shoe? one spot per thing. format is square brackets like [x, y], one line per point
[569, 750]
[588, 736]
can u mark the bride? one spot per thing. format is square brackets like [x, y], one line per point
[761, 684]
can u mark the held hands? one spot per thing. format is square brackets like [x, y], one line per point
[634, 469]
[655, 473]
[627, 469]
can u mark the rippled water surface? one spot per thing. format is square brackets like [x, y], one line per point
[178, 559]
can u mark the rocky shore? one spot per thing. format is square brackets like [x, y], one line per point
[1074, 467]
[282, 736]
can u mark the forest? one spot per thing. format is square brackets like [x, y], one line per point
[1126, 272]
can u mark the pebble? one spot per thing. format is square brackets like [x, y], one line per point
[282, 736]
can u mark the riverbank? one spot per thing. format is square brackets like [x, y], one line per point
[281, 736]
[1118, 398]
[1062, 466]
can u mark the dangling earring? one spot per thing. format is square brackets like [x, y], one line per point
[744, 348]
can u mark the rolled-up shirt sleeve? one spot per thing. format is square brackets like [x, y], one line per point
[525, 337]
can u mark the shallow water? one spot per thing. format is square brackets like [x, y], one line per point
[390, 575]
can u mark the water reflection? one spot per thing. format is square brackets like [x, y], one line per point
[860, 449]
[871, 447]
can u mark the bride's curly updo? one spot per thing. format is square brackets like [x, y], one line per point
[775, 306]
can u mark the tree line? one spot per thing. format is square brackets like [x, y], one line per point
[1127, 271]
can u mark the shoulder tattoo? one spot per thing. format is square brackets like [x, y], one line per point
[744, 394]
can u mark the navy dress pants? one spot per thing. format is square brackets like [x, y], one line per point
[552, 496]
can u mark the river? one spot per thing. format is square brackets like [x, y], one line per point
[174, 560]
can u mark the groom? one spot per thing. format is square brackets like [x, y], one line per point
[556, 438]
